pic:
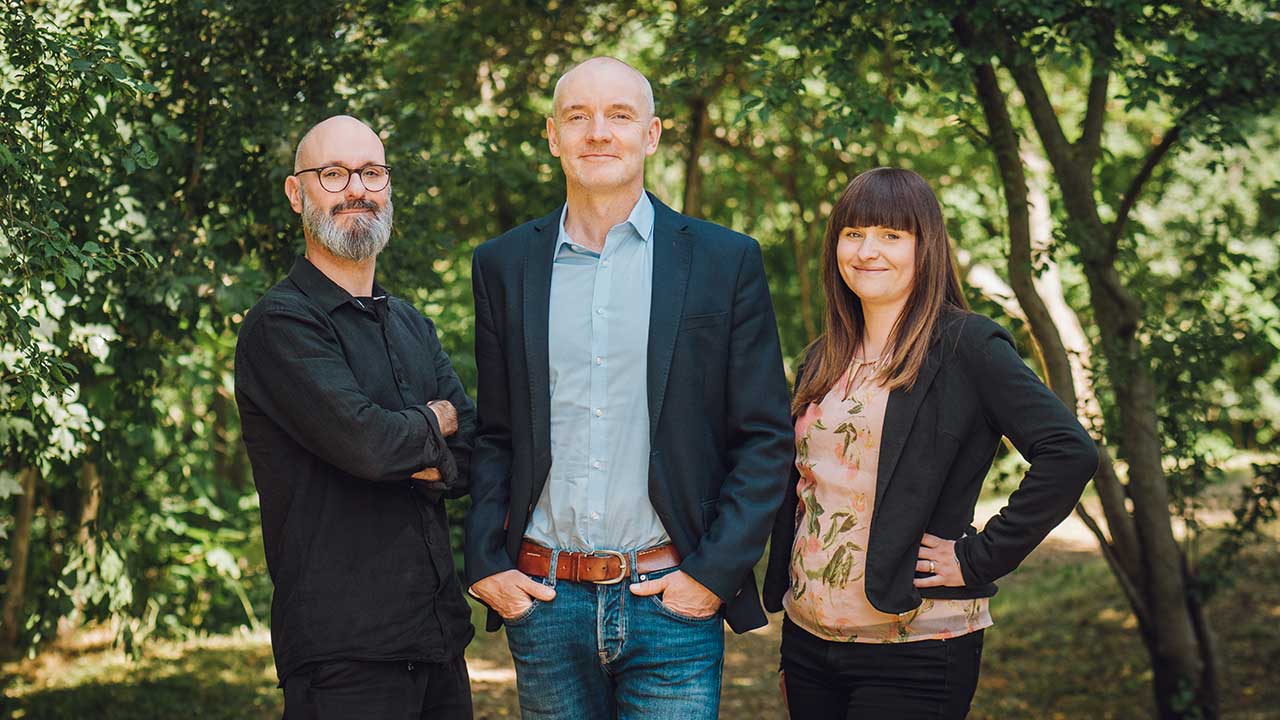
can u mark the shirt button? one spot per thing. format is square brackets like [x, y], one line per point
[595, 516]
[596, 464]
[599, 311]
[599, 360]
[599, 412]
[604, 263]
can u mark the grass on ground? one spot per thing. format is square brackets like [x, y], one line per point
[1064, 646]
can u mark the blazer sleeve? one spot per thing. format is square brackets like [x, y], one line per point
[1063, 457]
[777, 576]
[485, 544]
[759, 439]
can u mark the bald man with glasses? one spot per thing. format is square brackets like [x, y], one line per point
[357, 428]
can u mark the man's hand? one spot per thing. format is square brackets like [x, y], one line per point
[511, 592]
[681, 594]
[446, 415]
[429, 474]
[938, 558]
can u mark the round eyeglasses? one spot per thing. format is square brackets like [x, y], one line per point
[335, 178]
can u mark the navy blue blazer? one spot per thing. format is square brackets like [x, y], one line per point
[938, 442]
[720, 434]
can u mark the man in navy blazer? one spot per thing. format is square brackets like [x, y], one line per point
[634, 435]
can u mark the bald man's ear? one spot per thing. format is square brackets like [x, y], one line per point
[552, 141]
[654, 132]
[293, 191]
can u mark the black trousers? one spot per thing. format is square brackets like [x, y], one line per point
[932, 679]
[351, 690]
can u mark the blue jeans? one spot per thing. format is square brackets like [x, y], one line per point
[599, 652]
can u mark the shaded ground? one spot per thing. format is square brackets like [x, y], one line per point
[1064, 646]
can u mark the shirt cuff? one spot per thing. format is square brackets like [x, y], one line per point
[436, 447]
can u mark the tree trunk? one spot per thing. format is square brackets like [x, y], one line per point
[229, 459]
[799, 246]
[692, 205]
[86, 540]
[1149, 565]
[90, 502]
[1122, 548]
[1178, 657]
[15, 591]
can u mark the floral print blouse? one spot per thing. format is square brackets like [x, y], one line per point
[837, 454]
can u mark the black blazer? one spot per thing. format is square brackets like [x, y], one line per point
[937, 445]
[719, 432]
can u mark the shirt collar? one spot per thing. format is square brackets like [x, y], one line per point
[323, 291]
[640, 220]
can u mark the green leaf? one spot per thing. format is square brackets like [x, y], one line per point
[72, 269]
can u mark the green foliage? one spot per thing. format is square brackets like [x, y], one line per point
[59, 142]
[147, 141]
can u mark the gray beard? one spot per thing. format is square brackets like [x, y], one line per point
[366, 238]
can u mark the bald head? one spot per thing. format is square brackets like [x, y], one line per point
[337, 140]
[349, 215]
[609, 69]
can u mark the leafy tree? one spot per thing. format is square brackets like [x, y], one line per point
[1138, 255]
[151, 520]
[59, 143]
[1212, 70]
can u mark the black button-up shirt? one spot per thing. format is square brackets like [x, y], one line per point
[332, 392]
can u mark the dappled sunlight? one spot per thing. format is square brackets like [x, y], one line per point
[1061, 623]
[485, 671]
[1123, 618]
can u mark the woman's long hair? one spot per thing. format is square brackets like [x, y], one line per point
[901, 200]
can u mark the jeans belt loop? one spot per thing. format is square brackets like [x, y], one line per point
[551, 570]
[635, 566]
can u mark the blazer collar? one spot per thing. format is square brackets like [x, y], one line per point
[536, 302]
[672, 257]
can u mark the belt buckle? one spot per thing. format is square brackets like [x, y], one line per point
[622, 562]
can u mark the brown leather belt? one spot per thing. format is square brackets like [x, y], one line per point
[603, 567]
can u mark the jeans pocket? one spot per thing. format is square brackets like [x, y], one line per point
[665, 610]
[524, 616]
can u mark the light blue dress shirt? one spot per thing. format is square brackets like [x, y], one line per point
[597, 492]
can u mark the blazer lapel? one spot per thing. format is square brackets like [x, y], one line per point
[899, 415]
[537, 309]
[672, 253]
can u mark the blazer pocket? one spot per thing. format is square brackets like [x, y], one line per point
[710, 511]
[689, 322]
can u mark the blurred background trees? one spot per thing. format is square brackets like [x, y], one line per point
[1110, 170]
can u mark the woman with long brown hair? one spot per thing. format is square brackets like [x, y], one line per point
[899, 408]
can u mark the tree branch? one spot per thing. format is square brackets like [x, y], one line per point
[1043, 116]
[1135, 186]
[1090, 142]
[1004, 144]
[1074, 170]
[1124, 533]
[1045, 330]
[1136, 601]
